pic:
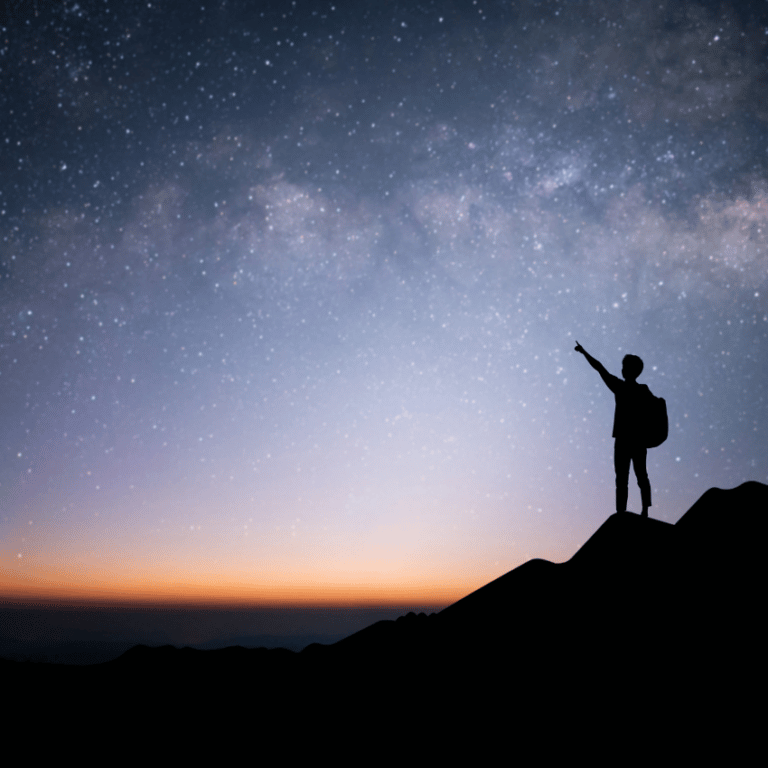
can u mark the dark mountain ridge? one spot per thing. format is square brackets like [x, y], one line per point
[644, 611]
[634, 573]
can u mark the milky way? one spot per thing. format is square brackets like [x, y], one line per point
[289, 292]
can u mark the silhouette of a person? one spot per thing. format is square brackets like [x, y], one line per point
[627, 427]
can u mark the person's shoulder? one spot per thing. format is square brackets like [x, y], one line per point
[644, 391]
[614, 383]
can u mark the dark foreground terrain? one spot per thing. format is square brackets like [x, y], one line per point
[649, 638]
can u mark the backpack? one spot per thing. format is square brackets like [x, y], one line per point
[656, 421]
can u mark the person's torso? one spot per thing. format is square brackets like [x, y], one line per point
[630, 412]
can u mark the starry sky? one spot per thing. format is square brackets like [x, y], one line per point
[289, 291]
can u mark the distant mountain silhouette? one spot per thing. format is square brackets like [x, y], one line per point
[647, 620]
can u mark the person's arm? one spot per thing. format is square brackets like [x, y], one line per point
[598, 366]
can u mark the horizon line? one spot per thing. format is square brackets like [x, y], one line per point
[183, 604]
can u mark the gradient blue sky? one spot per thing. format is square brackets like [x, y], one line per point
[289, 291]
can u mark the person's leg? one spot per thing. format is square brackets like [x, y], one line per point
[621, 459]
[641, 473]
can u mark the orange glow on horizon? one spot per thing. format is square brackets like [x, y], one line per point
[371, 592]
[200, 579]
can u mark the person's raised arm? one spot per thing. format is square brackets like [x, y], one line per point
[597, 365]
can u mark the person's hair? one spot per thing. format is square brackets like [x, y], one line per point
[633, 365]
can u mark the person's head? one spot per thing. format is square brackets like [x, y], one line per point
[632, 367]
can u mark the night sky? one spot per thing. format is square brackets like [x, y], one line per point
[289, 291]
